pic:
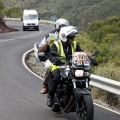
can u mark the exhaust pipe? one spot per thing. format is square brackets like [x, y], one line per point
[70, 105]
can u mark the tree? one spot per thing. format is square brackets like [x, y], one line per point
[13, 12]
[1, 8]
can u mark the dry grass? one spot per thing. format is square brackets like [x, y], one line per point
[35, 67]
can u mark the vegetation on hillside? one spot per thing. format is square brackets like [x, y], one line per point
[104, 36]
[1, 9]
[13, 12]
[79, 13]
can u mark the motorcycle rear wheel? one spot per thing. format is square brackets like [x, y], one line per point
[85, 108]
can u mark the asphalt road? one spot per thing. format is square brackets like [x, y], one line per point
[20, 97]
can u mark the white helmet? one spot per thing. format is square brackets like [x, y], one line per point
[67, 31]
[61, 22]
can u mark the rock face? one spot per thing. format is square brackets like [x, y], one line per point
[4, 28]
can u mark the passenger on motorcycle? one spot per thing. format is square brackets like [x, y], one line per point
[65, 46]
[44, 46]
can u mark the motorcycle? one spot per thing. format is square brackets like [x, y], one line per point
[73, 93]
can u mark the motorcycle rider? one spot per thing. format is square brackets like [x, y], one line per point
[65, 46]
[44, 46]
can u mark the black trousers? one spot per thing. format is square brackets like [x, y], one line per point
[55, 80]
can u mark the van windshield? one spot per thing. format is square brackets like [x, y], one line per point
[30, 17]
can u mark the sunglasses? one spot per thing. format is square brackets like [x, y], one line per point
[63, 25]
[71, 37]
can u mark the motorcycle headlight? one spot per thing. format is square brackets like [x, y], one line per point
[79, 73]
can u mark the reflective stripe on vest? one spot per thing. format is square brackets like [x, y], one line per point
[61, 51]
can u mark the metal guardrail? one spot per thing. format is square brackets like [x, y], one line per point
[47, 21]
[96, 81]
[12, 19]
[105, 84]
[19, 19]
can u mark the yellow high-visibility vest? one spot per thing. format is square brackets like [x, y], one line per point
[61, 51]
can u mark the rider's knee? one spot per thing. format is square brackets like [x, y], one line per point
[48, 65]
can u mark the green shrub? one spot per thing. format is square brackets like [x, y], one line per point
[14, 12]
[108, 70]
[106, 36]
[1, 9]
[112, 20]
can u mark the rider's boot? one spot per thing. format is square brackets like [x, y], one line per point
[52, 89]
[49, 100]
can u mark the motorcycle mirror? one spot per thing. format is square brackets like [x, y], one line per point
[95, 53]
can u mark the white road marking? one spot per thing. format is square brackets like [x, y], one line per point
[20, 37]
[24, 64]
[107, 108]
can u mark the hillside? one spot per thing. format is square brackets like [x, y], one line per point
[78, 12]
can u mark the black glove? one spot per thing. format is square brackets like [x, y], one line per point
[93, 62]
[58, 62]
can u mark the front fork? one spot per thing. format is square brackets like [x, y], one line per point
[86, 82]
[80, 91]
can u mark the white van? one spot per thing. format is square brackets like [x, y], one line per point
[30, 19]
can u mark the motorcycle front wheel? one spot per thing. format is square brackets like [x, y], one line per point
[84, 108]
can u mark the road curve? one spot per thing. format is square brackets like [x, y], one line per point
[20, 97]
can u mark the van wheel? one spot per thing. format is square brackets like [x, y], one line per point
[23, 28]
[37, 28]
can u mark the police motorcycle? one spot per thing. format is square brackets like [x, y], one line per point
[73, 93]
